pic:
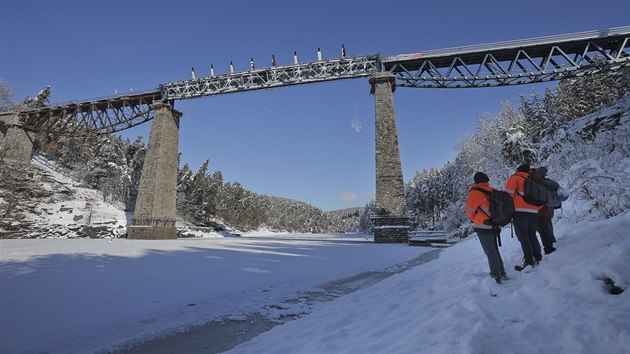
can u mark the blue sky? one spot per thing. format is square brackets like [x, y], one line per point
[299, 142]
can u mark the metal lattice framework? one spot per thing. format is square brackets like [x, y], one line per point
[498, 64]
[515, 62]
[99, 116]
[277, 76]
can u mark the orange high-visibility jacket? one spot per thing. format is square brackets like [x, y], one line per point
[515, 186]
[478, 205]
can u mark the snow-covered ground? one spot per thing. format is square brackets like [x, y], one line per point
[85, 295]
[80, 295]
[451, 305]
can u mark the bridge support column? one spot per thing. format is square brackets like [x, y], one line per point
[15, 142]
[391, 225]
[155, 214]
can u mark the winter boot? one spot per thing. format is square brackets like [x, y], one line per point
[530, 263]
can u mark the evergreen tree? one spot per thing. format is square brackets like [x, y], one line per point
[199, 194]
[108, 169]
[41, 100]
[6, 97]
[365, 220]
[184, 191]
[135, 160]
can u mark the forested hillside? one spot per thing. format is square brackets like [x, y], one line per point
[580, 131]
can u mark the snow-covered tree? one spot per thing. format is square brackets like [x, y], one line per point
[6, 96]
[41, 100]
[184, 187]
[365, 220]
[135, 160]
[108, 170]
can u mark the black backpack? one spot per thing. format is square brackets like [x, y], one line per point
[501, 207]
[554, 201]
[534, 193]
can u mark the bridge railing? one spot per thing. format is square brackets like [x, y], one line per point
[95, 99]
[96, 116]
[514, 62]
[277, 76]
[578, 36]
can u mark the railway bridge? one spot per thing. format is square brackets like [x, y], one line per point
[496, 64]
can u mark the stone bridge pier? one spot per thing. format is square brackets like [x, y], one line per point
[391, 225]
[15, 142]
[155, 214]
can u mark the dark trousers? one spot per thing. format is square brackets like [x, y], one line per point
[545, 229]
[525, 226]
[488, 241]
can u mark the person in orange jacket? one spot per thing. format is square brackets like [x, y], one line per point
[525, 218]
[478, 210]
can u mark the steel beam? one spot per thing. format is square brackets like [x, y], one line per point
[514, 62]
[97, 116]
[278, 76]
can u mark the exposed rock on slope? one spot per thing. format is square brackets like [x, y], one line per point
[38, 202]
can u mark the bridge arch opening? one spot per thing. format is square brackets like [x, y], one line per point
[295, 143]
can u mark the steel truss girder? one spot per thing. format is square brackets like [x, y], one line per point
[514, 63]
[277, 76]
[499, 64]
[99, 116]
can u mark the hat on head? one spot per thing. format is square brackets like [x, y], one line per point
[523, 168]
[541, 171]
[481, 177]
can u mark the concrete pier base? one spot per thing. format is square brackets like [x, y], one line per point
[155, 214]
[391, 229]
[390, 223]
[15, 142]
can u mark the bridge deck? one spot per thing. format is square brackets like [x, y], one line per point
[572, 41]
[495, 64]
[514, 62]
[103, 115]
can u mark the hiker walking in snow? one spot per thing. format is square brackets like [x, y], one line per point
[478, 210]
[525, 218]
[545, 214]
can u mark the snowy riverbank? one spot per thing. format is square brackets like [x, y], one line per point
[64, 296]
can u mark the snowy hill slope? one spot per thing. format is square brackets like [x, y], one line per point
[49, 203]
[451, 305]
[591, 159]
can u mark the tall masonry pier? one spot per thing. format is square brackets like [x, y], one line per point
[155, 213]
[391, 225]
